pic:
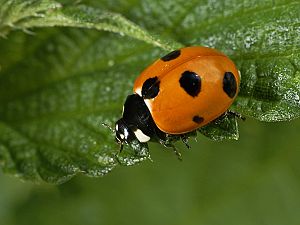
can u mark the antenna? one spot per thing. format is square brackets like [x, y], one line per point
[108, 127]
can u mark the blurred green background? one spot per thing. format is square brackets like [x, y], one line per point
[255, 180]
[252, 181]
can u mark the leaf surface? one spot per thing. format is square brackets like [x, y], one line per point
[59, 85]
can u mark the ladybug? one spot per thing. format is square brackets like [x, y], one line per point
[179, 93]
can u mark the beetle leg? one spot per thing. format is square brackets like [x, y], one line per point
[236, 114]
[185, 141]
[175, 150]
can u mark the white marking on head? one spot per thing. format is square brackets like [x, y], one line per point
[122, 136]
[148, 103]
[126, 133]
[138, 91]
[141, 136]
[117, 127]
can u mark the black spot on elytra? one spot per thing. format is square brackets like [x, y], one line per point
[190, 82]
[229, 84]
[170, 56]
[150, 88]
[198, 119]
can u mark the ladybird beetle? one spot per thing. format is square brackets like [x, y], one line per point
[180, 92]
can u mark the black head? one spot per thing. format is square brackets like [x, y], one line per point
[136, 122]
[124, 133]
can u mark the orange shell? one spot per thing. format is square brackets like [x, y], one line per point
[173, 109]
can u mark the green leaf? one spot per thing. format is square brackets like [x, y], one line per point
[51, 126]
[41, 13]
[14, 12]
[262, 38]
[59, 85]
[265, 48]
[225, 127]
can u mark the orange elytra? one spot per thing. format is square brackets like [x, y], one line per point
[180, 92]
